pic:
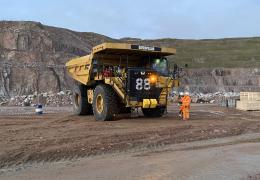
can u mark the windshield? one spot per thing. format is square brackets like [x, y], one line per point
[160, 65]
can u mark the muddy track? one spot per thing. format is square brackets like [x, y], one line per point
[55, 136]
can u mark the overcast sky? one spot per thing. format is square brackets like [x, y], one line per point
[185, 19]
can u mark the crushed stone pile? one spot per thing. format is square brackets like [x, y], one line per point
[216, 98]
[3, 101]
[62, 98]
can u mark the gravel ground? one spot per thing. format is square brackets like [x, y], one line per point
[58, 134]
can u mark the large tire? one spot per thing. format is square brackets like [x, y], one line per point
[80, 100]
[105, 104]
[154, 112]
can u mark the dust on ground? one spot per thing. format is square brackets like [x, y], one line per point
[58, 134]
[231, 158]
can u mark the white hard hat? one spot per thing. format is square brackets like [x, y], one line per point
[187, 93]
[181, 94]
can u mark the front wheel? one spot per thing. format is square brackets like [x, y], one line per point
[104, 103]
[154, 112]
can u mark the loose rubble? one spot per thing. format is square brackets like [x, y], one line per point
[216, 98]
[3, 101]
[61, 98]
[64, 98]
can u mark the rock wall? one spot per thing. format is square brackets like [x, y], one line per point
[206, 80]
[32, 56]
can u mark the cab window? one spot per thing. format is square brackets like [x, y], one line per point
[160, 65]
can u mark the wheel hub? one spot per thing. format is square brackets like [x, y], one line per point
[99, 103]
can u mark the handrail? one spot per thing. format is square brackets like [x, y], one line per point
[116, 82]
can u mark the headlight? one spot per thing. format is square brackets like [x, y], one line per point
[153, 79]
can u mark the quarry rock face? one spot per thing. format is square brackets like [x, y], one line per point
[32, 56]
[222, 79]
[32, 59]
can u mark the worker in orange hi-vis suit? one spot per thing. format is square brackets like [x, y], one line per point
[186, 100]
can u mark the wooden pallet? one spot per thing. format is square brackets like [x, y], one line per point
[250, 96]
[248, 105]
[249, 101]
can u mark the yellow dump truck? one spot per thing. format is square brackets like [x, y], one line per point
[117, 77]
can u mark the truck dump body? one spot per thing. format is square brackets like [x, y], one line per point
[79, 68]
[115, 53]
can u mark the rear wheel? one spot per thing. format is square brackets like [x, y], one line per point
[80, 100]
[105, 105]
[153, 112]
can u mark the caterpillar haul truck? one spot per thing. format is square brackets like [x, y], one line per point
[117, 77]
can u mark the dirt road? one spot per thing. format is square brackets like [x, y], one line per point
[58, 135]
[225, 158]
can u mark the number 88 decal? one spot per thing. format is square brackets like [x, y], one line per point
[142, 84]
